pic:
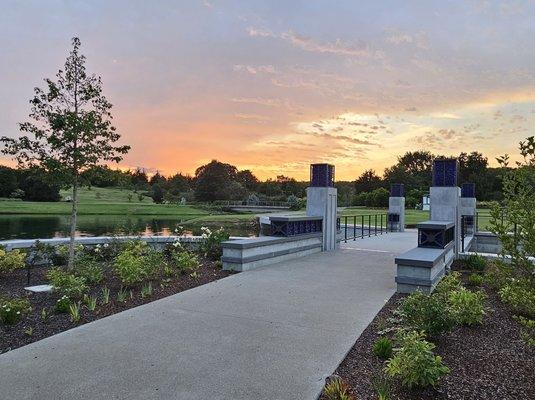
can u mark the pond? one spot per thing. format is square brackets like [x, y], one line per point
[50, 226]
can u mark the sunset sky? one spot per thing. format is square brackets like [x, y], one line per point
[273, 86]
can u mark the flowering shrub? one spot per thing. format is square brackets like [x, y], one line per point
[63, 305]
[211, 245]
[88, 268]
[12, 260]
[427, 313]
[11, 310]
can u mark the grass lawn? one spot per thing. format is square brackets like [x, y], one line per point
[100, 201]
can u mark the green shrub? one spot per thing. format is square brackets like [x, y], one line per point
[185, 261]
[12, 310]
[11, 260]
[414, 361]
[475, 280]
[66, 283]
[428, 313]
[88, 268]
[383, 348]
[475, 262]
[448, 284]
[63, 305]
[528, 330]
[137, 262]
[520, 295]
[337, 389]
[468, 308]
[211, 245]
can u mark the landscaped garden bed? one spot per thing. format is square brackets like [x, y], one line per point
[490, 359]
[104, 280]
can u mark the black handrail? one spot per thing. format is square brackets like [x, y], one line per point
[376, 229]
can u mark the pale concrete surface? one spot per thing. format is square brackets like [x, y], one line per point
[272, 333]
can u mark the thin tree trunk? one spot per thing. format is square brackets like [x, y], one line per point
[73, 222]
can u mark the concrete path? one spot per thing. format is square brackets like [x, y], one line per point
[271, 333]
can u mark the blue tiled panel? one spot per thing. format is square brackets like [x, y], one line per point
[294, 228]
[321, 175]
[397, 190]
[445, 172]
[468, 190]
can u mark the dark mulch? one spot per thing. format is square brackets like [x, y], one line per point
[486, 362]
[13, 284]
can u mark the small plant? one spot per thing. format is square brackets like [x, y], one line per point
[414, 361]
[12, 310]
[66, 283]
[475, 280]
[146, 290]
[45, 315]
[218, 264]
[88, 268]
[520, 295]
[448, 284]
[382, 387]
[63, 304]
[528, 330]
[137, 262]
[475, 262]
[467, 307]
[29, 331]
[11, 260]
[383, 348]
[105, 295]
[74, 311]
[121, 295]
[168, 271]
[91, 303]
[185, 261]
[337, 389]
[428, 313]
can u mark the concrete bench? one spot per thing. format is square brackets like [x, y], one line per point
[246, 254]
[422, 268]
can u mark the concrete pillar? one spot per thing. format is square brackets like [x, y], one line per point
[467, 206]
[322, 200]
[444, 196]
[396, 207]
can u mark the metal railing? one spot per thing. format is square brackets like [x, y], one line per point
[361, 226]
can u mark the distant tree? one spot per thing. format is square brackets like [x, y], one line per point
[158, 178]
[37, 185]
[413, 169]
[71, 129]
[368, 181]
[157, 193]
[8, 181]
[247, 180]
[140, 180]
[213, 180]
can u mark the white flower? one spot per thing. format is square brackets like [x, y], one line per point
[18, 312]
[106, 245]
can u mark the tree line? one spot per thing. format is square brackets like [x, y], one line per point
[221, 181]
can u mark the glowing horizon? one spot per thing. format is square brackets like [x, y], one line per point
[275, 86]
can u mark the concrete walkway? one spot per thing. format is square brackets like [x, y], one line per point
[271, 333]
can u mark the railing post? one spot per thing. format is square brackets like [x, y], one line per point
[369, 225]
[381, 224]
[462, 232]
[362, 226]
[375, 224]
[354, 227]
[345, 229]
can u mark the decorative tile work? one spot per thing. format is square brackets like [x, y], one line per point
[445, 171]
[397, 190]
[321, 175]
[468, 190]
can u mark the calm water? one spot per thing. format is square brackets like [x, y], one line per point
[50, 226]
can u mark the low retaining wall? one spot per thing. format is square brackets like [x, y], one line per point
[422, 268]
[486, 242]
[247, 254]
[156, 241]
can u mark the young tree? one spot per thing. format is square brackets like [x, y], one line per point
[71, 129]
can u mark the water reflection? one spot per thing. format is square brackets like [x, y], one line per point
[49, 226]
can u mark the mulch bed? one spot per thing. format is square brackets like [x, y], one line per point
[487, 362]
[13, 336]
